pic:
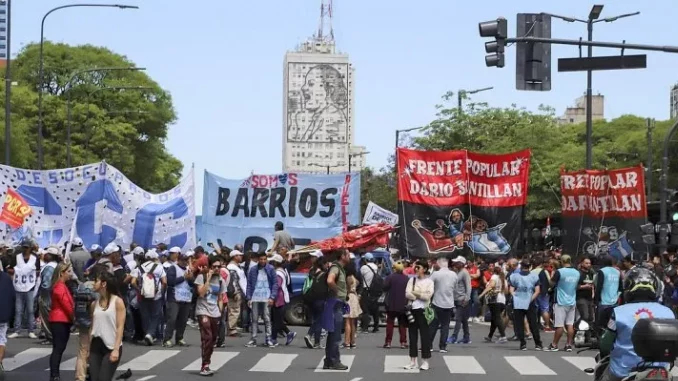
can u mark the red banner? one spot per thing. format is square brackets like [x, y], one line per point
[443, 178]
[15, 209]
[604, 193]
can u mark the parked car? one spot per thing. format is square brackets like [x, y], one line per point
[296, 311]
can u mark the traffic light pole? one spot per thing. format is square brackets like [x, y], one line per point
[663, 191]
[601, 44]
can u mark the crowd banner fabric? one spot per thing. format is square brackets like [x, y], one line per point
[602, 211]
[311, 208]
[460, 202]
[102, 204]
[375, 214]
[14, 210]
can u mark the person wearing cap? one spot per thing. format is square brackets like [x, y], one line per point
[368, 297]
[239, 281]
[462, 301]
[51, 257]
[565, 282]
[282, 298]
[26, 275]
[78, 257]
[179, 296]
[262, 288]
[151, 308]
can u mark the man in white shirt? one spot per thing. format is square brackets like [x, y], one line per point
[151, 308]
[368, 302]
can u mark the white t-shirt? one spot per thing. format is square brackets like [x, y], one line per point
[159, 273]
[367, 274]
[499, 290]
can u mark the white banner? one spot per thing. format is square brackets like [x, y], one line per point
[375, 214]
[108, 205]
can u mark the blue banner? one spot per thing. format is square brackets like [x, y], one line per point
[311, 207]
[107, 205]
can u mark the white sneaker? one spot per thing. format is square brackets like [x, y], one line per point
[411, 366]
[424, 365]
[14, 335]
[32, 335]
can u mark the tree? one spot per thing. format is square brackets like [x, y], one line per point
[125, 127]
[618, 143]
[378, 187]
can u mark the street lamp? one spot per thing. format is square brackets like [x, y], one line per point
[594, 17]
[352, 155]
[68, 101]
[42, 62]
[397, 133]
[461, 94]
[324, 166]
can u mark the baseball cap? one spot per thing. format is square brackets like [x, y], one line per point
[152, 254]
[111, 248]
[459, 259]
[277, 258]
[317, 254]
[175, 249]
[77, 241]
[234, 253]
[369, 257]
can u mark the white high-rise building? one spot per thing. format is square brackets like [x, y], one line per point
[318, 103]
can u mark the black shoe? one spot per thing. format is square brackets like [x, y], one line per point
[338, 366]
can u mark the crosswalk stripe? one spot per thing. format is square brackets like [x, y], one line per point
[581, 362]
[529, 366]
[68, 364]
[345, 359]
[23, 358]
[148, 360]
[463, 365]
[274, 363]
[218, 360]
[396, 364]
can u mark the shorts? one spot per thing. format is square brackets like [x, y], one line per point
[564, 315]
[3, 334]
[543, 303]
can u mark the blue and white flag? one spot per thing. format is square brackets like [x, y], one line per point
[311, 207]
[109, 208]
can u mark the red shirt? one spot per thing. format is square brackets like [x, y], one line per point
[62, 304]
[473, 270]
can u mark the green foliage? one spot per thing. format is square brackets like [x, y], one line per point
[378, 187]
[125, 127]
[617, 143]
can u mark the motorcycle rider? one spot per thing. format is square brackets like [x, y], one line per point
[640, 296]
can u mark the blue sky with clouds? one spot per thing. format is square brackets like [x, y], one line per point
[222, 61]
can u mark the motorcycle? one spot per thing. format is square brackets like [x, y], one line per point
[655, 341]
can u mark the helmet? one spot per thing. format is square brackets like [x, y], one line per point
[640, 285]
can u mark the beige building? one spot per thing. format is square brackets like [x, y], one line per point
[318, 110]
[674, 102]
[577, 113]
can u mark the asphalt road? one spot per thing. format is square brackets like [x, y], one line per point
[26, 359]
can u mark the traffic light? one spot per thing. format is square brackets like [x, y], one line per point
[673, 204]
[495, 49]
[533, 59]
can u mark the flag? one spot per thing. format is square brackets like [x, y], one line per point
[15, 209]
[548, 226]
[69, 245]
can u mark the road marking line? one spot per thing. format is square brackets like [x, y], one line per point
[396, 364]
[463, 365]
[581, 362]
[357, 379]
[345, 359]
[148, 360]
[68, 364]
[23, 358]
[146, 378]
[219, 359]
[529, 366]
[274, 363]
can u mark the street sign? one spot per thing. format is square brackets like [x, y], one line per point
[638, 61]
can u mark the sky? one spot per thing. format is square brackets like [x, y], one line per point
[222, 62]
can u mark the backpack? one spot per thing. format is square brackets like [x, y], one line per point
[84, 296]
[317, 288]
[376, 287]
[233, 286]
[148, 285]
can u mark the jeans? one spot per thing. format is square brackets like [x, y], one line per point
[402, 326]
[61, 332]
[315, 330]
[258, 309]
[332, 355]
[150, 315]
[209, 330]
[100, 366]
[497, 322]
[475, 302]
[420, 327]
[177, 316]
[278, 317]
[24, 308]
[222, 323]
[461, 316]
[442, 319]
[519, 324]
